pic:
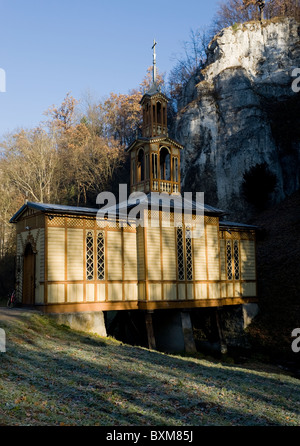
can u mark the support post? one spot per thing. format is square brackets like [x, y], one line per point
[220, 331]
[187, 330]
[150, 331]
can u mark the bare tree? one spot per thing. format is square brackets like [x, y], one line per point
[30, 162]
[231, 12]
[189, 61]
[260, 5]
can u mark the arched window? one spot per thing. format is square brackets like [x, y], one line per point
[141, 165]
[165, 168]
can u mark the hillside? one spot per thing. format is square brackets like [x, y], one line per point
[51, 375]
[278, 269]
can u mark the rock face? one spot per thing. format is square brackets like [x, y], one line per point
[241, 110]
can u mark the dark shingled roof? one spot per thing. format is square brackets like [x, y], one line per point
[120, 209]
[233, 224]
[54, 208]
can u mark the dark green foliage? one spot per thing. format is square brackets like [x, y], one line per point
[258, 183]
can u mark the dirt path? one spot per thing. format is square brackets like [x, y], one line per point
[9, 314]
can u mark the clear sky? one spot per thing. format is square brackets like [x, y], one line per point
[51, 47]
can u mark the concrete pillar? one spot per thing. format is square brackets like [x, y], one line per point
[90, 321]
[249, 313]
[150, 330]
[187, 330]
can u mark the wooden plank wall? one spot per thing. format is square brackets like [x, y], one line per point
[140, 265]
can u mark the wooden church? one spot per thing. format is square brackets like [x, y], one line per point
[70, 260]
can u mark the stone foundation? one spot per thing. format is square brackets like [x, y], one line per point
[90, 322]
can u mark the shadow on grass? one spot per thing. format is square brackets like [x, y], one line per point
[74, 378]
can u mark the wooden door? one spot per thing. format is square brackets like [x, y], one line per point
[29, 276]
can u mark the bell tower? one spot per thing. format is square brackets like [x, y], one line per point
[155, 158]
[154, 104]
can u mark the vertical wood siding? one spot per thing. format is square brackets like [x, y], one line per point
[130, 256]
[75, 254]
[200, 258]
[169, 254]
[248, 268]
[213, 252]
[153, 251]
[114, 255]
[56, 254]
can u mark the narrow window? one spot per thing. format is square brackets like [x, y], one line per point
[89, 256]
[189, 254]
[236, 260]
[229, 259]
[180, 254]
[158, 105]
[175, 169]
[147, 167]
[141, 165]
[154, 165]
[133, 171]
[100, 256]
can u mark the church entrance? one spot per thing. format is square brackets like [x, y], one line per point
[29, 276]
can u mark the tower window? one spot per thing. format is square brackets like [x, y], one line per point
[133, 171]
[158, 108]
[175, 169]
[165, 171]
[141, 165]
[147, 167]
[154, 166]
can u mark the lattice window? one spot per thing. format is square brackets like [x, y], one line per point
[229, 260]
[89, 256]
[236, 260]
[180, 254]
[100, 256]
[189, 254]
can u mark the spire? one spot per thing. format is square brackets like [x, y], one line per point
[154, 61]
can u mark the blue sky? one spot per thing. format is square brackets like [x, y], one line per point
[51, 47]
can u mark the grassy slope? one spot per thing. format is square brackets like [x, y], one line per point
[51, 375]
[278, 268]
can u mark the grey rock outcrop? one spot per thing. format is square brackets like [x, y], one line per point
[242, 112]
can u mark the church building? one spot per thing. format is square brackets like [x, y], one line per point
[77, 261]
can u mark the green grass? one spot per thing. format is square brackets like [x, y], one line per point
[51, 375]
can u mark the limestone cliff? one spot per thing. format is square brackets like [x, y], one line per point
[241, 110]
